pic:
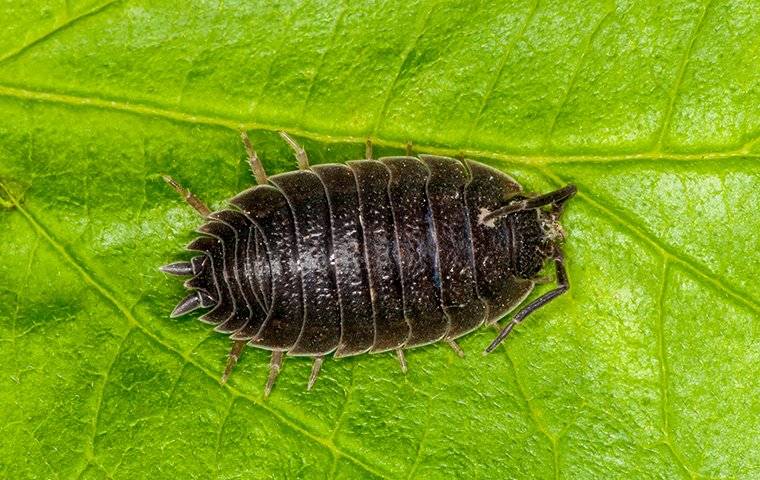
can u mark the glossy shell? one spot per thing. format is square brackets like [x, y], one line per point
[370, 256]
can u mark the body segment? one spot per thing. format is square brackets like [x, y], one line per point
[357, 326]
[445, 190]
[380, 255]
[267, 209]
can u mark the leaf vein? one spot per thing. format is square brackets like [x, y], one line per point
[742, 152]
[533, 414]
[575, 74]
[664, 371]
[425, 431]
[268, 76]
[90, 446]
[661, 350]
[219, 435]
[42, 452]
[689, 264]
[344, 407]
[333, 35]
[383, 113]
[59, 28]
[499, 70]
[679, 79]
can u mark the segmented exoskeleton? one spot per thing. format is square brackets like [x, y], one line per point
[370, 256]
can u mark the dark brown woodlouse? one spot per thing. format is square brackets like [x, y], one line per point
[371, 256]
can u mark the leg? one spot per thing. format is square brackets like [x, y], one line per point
[301, 157]
[557, 197]
[256, 167]
[542, 280]
[274, 369]
[401, 360]
[189, 197]
[562, 285]
[455, 346]
[368, 150]
[232, 359]
[409, 151]
[315, 371]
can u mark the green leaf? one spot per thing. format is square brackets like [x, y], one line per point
[649, 367]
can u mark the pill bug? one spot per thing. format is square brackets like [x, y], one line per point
[369, 256]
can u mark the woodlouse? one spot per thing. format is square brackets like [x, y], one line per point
[371, 256]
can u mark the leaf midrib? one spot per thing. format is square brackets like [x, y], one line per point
[161, 111]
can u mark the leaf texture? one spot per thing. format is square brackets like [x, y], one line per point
[647, 368]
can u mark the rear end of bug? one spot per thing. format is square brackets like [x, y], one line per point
[368, 257]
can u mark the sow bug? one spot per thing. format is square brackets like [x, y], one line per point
[371, 256]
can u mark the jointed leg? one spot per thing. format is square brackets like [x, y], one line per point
[191, 199]
[256, 167]
[409, 150]
[562, 285]
[274, 369]
[557, 197]
[301, 157]
[401, 359]
[368, 150]
[315, 367]
[232, 359]
[455, 346]
[542, 280]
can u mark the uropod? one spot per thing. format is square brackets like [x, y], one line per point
[369, 256]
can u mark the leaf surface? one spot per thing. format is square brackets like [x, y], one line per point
[647, 368]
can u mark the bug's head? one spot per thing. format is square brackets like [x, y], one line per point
[203, 290]
[537, 235]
